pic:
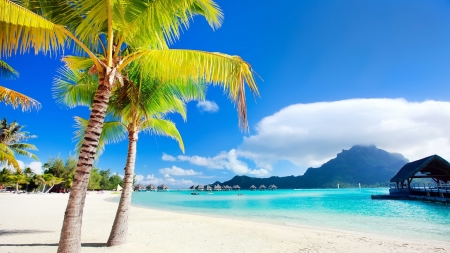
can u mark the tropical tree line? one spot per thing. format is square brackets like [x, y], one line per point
[56, 177]
[122, 47]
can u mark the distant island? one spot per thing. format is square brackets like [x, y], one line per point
[367, 165]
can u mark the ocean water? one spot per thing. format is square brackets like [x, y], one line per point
[336, 209]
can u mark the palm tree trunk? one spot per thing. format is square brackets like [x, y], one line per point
[17, 187]
[119, 230]
[70, 240]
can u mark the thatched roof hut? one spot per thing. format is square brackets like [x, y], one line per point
[236, 187]
[163, 187]
[262, 187]
[199, 188]
[139, 187]
[208, 187]
[151, 187]
[272, 187]
[192, 187]
[217, 187]
[226, 188]
[252, 188]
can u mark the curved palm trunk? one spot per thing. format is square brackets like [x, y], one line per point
[119, 229]
[70, 240]
[17, 187]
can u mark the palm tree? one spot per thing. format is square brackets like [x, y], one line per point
[141, 105]
[115, 28]
[18, 178]
[11, 97]
[11, 143]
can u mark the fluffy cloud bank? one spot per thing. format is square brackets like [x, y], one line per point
[171, 182]
[307, 135]
[310, 134]
[224, 160]
[36, 167]
[208, 106]
[176, 171]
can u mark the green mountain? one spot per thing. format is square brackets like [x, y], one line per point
[367, 165]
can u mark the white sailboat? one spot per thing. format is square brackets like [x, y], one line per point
[119, 188]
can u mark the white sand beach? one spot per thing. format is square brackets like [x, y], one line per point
[32, 223]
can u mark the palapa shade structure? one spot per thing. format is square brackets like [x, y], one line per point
[199, 188]
[434, 167]
[252, 188]
[163, 187]
[262, 187]
[139, 187]
[151, 187]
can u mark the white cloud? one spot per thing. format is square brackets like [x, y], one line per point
[166, 157]
[311, 134]
[225, 160]
[36, 167]
[169, 181]
[208, 106]
[176, 171]
[308, 135]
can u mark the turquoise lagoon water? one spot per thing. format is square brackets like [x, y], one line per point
[337, 209]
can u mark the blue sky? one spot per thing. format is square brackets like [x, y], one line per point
[335, 74]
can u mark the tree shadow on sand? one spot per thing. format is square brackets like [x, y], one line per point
[4, 232]
[86, 245]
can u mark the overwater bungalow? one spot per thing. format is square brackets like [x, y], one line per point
[139, 188]
[272, 187]
[252, 188]
[434, 168]
[208, 187]
[151, 187]
[226, 188]
[192, 188]
[262, 187]
[199, 188]
[217, 187]
[162, 187]
[236, 188]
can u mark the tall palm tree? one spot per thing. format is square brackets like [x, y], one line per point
[18, 178]
[116, 28]
[141, 105]
[11, 97]
[12, 142]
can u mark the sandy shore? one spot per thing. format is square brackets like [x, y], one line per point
[31, 223]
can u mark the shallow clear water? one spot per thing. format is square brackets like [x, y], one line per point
[344, 209]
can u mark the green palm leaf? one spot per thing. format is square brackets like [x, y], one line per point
[7, 71]
[162, 127]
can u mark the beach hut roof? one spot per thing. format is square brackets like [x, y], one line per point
[430, 167]
[199, 187]
[252, 187]
[151, 186]
[192, 187]
[262, 186]
[272, 186]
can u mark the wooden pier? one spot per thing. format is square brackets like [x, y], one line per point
[433, 167]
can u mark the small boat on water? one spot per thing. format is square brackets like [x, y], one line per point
[195, 193]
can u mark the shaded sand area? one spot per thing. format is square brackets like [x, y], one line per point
[31, 223]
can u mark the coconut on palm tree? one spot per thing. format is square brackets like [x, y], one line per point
[140, 105]
[114, 29]
[11, 97]
[12, 143]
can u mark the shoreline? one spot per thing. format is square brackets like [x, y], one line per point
[32, 223]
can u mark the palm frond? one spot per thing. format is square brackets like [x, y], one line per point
[73, 88]
[163, 127]
[163, 19]
[7, 156]
[16, 99]
[7, 71]
[230, 72]
[22, 29]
